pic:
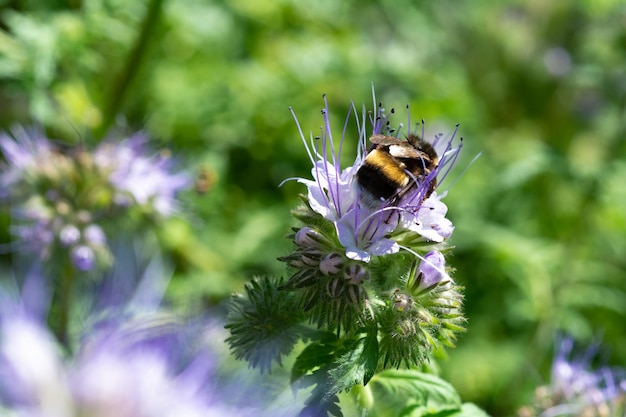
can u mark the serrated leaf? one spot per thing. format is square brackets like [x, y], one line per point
[412, 393]
[370, 355]
[358, 364]
[316, 355]
[334, 365]
[330, 407]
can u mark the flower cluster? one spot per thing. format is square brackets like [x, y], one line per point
[130, 358]
[64, 200]
[577, 389]
[368, 271]
[355, 260]
[142, 367]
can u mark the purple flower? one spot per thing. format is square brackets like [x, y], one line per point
[64, 198]
[431, 271]
[363, 234]
[83, 257]
[137, 369]
[577, 388]
[24, 152]
[334, 194]
[69, 235]
[573, 375]
[94, 235]
[429, 220]
[34, 235]
[146, 179]
[32, 377]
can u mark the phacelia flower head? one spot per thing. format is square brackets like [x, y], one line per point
[367, 223]
[343, 196]
[65, 200]
[139, 177]
[577, 388]
[367, 268]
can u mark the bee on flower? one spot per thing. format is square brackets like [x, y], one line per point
[369, 224]
[368, 266]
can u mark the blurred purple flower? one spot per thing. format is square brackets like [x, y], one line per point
[34, 234]
[66, 198]
[94, 234]
[138, 369]
[574, 376]
[578, 388]
[146, 178]
[69, 235]
[26, 150]
[83, 257]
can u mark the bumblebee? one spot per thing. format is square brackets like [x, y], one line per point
[204, 181]
[393, 167]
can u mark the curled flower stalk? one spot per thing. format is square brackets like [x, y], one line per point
[368, 265]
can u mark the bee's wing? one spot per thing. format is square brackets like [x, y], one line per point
[385, 140]
[405, 150]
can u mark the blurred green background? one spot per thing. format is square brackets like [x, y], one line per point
[538, 87]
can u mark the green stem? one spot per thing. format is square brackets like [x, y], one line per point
[59, 322]
[119, 90]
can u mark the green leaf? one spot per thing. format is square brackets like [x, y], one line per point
[370, 354]
[413, 393]
[470, 410]
[320, 409]
[358, 364]
[334, 365]
[466, 410]
[315, 355]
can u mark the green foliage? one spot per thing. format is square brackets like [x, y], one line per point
[264, 327]
[537, 86]
[405, 393]
[334, 365]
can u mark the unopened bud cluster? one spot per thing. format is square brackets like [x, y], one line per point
[328, 279]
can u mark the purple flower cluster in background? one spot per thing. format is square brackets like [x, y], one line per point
[68, 200]
[131, 359]
[133, 369]
[578, 387]
[138, 177]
